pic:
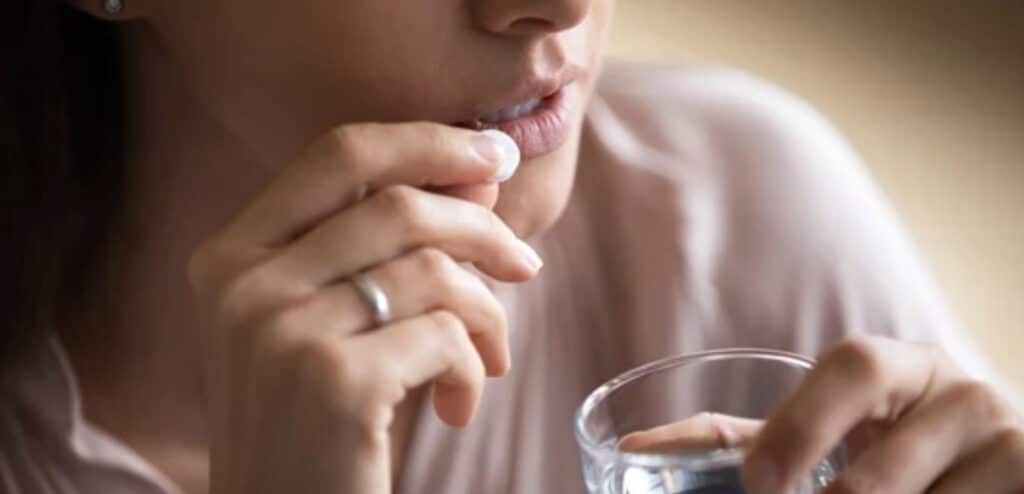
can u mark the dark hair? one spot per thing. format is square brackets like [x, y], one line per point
[60, 149]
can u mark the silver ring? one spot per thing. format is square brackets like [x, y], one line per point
[375, 297]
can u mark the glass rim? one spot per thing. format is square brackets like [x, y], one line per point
[684, 460]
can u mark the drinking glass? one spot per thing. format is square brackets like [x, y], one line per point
[747, 383]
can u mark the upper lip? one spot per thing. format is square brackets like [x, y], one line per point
[531, 87]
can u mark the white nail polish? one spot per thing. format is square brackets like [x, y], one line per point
[510, 155]
[530, 256]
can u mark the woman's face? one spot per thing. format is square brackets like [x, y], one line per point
[277, 74]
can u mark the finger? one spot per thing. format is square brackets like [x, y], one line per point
[925, 442]
[399, 219]
[432, 347]
[998, 468]
[357, 159]
[485, 195]
[417, 283]
[862, 437]
[700, 432]
[861, 380]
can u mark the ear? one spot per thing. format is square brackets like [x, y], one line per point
[111, 10]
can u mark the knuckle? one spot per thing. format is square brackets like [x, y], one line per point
[324, 370]
[374, 416]
[347, 141]
[707, 420]
[497, 316]
[316, 360]
[859, 358]
[379, 399]
[285, 321]
[445, 275]
[484, 219]
[436, 136]
[354, 145]
[343, 384]
[715, 421]
[494, 321]
[455, 287]
[434, 263]
[449, 325]
[466, 357]
[457, 344]
[982, 402]
[402, 201]
[255, 295]
[240, 295]
[477, 369]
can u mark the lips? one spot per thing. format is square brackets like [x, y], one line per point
[536, 114]
[513, 112]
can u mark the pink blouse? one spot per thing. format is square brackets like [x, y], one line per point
[710, 210]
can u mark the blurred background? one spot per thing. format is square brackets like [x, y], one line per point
[932, 96]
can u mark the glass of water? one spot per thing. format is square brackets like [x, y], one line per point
[744, 383]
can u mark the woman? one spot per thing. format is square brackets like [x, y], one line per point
[225, 279]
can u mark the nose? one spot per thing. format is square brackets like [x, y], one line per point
[530, 17]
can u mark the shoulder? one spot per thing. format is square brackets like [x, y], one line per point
[741, 149]
[722, 117]
[798, 242]
[758, 166]
[47, 445]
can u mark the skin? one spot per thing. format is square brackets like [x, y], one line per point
[250, 158]
[913, 423]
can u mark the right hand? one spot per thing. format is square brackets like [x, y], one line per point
[302, 386]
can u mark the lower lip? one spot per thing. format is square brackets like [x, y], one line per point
[542, 131]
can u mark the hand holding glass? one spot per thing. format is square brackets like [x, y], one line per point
[679, 425]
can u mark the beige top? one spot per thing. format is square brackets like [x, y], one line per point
[711, 210]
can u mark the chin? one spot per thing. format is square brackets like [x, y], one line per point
[533, 201]
[531, 217]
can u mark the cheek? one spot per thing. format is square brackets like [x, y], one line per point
[278, 74]
[599, 25]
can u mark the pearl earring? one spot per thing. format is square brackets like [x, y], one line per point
[113, 7]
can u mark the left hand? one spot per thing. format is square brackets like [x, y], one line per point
[915, 423]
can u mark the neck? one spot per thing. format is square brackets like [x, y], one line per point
[139, 349]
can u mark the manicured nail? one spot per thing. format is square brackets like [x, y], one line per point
[495, 146]
[532, 258]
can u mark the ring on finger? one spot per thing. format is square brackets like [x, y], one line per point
[375, 297]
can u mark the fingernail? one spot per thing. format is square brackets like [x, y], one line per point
[495, 146]
[530, 256]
